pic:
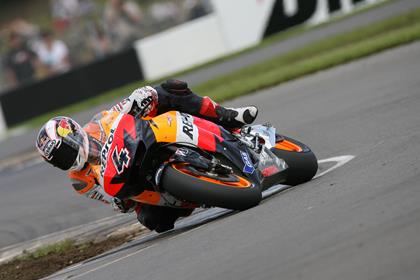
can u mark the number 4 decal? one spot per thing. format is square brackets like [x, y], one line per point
[120, 159]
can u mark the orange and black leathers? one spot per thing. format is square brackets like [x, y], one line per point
[86, 181]
[170, 97]
[184, 100]
[175, 95]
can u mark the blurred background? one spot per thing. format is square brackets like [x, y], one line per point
[78, 57]
[40, 38]
[58, 53]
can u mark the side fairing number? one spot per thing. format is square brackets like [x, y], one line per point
[121, 159]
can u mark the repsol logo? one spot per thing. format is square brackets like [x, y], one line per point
[187, 125]
[105, 151]
[303, 10]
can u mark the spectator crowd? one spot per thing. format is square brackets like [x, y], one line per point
[81, 31]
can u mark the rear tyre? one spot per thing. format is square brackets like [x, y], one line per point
[209, 191]
[301, 161]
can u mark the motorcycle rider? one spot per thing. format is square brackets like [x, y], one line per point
[63, 143]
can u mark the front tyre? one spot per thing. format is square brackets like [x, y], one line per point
[301, 161]
[232, 192]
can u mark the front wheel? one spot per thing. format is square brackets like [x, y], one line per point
[226, 191]
[301, 161]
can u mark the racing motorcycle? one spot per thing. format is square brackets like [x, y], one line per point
[182, 161]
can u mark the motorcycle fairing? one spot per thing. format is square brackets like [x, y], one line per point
[126, 134]
[119, 152]
[176, 127]
[180, 127]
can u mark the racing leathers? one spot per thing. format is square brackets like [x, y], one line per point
[148, 102]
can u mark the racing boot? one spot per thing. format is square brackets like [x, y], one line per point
[236, 117]
[176, 95]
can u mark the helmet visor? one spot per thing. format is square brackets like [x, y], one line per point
[74, 136]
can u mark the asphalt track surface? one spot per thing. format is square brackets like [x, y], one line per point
[360, 221]
[38, 199]
[24, 142]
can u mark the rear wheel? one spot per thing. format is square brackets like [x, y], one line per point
[301, 161]
[227, 191]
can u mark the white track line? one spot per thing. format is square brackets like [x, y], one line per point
[109, 263]
[340, 161]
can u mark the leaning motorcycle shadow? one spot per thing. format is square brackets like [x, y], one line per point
[196, 220]
[199, 218]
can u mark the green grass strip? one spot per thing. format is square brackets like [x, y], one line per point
[314, 57]
[274, 76]
[291, 62]
[59, 247]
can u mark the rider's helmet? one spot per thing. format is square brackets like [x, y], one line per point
[63, 143]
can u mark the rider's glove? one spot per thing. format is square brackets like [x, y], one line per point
[146, 99]
[123, 206]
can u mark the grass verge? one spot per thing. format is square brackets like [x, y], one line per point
[51, 258]
[315, 57]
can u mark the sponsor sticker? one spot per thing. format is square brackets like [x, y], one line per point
[181, 152]
[105, 151]
[64, 128]
[43, 141]
[248, 166]
[186, 131]
[106, 148]
[49, 147]
[187, 125]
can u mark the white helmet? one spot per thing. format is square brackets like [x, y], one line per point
[63, 143]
